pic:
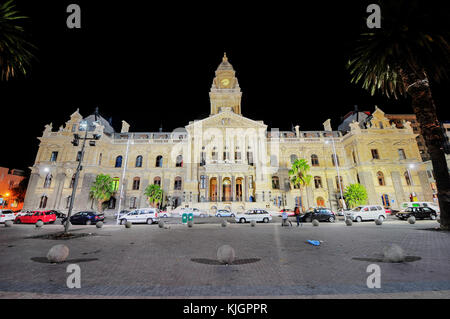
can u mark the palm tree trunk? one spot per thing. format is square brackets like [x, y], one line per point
[417, 86]
[100, 205]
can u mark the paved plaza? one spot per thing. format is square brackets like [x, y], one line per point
[146, 261]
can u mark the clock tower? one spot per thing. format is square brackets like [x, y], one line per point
[225, 91]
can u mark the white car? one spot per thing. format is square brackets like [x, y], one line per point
[6, 214]
[195, 212]
[141, 215]
[258, 215]
[366, 212]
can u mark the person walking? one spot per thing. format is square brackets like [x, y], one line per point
[297, 215]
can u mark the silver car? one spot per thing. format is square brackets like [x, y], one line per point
[141, 215]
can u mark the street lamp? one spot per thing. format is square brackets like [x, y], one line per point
[336, 164]
[75, 142]
[123, 177]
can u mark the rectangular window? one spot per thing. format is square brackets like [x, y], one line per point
[401, 154]
[54, 157]
[375, 154]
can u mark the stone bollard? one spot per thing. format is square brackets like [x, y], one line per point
[348, 222]
[394, 253]
[58, 254]
[39, 224]
[315, 222]
[378, 221]
[99, 224]
[412, 220]
[161, 224]
[166, 226]
[190, 223]
[8, 223]
[226, 254]
[128, 224]
[224, 223]
[253, 223]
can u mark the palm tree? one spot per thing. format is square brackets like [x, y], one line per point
[102, 190]
[154, 194]
[299, 176]
[355, 194]
[15, 50]
[401, 59]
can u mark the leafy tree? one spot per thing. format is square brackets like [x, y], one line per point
[15, 50]
[355, 195]
[402, 58]
[102, 190]
[299, 176]
[154, 194]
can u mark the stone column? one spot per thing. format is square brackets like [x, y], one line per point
[57, 192]
[31, 198]
[219, 188]
[331, 194]
[367, 180]
[398, 188]
[207, 188]
[82, 200]
[233, 188]
[310, 197]
[426, 188]
[245, 189]
[142, 200]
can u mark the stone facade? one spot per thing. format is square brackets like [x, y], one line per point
[229, 161]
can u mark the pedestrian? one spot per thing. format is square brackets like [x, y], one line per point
[285, 219]
[297, 215]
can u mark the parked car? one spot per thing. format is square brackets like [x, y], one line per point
[142, 215]
[289, 212]
[366, 212]
[320, 213]
[432, 205]
[6, 214]
[418, 213]
[164, 214]
[34, 217]
[224, 213]
[85, 218]
[258, 215]
[195, 211]
[342, 211]
[122, 213]
[59, 214]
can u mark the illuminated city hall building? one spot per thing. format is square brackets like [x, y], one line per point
[229, 161]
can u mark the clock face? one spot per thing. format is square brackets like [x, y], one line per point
[225, 82]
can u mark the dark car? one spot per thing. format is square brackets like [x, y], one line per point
[418, 213]
[321, 214]
[58, 214]
[85, 218]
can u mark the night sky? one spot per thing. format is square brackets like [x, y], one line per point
[154, 63]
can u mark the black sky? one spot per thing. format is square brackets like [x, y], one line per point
[154, 63]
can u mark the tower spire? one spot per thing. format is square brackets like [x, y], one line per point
[225, 59]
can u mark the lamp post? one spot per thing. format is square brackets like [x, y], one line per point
[123, 177]
[411, 184]
[336, 164]
[75, 142]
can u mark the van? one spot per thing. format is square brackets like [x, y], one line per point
[366, 212]
[432, 205]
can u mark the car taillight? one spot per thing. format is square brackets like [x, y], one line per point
[96, 217]
[2, 216]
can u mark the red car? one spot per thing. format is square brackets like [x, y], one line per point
[33, 217]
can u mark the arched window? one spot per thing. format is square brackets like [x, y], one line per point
[317, 181]
[380, 177]
[136, 183]
[293, 158]
[43, 202]
[177, 184]
[337, 160]
[48, 180]
[72, 181]
[407, 178]
[159, 161]
[314, 160]
[275, 182]
[157, 180]
[320, 201]
[139, 161]
[354, 157]
[179, 161]
[118, 161]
